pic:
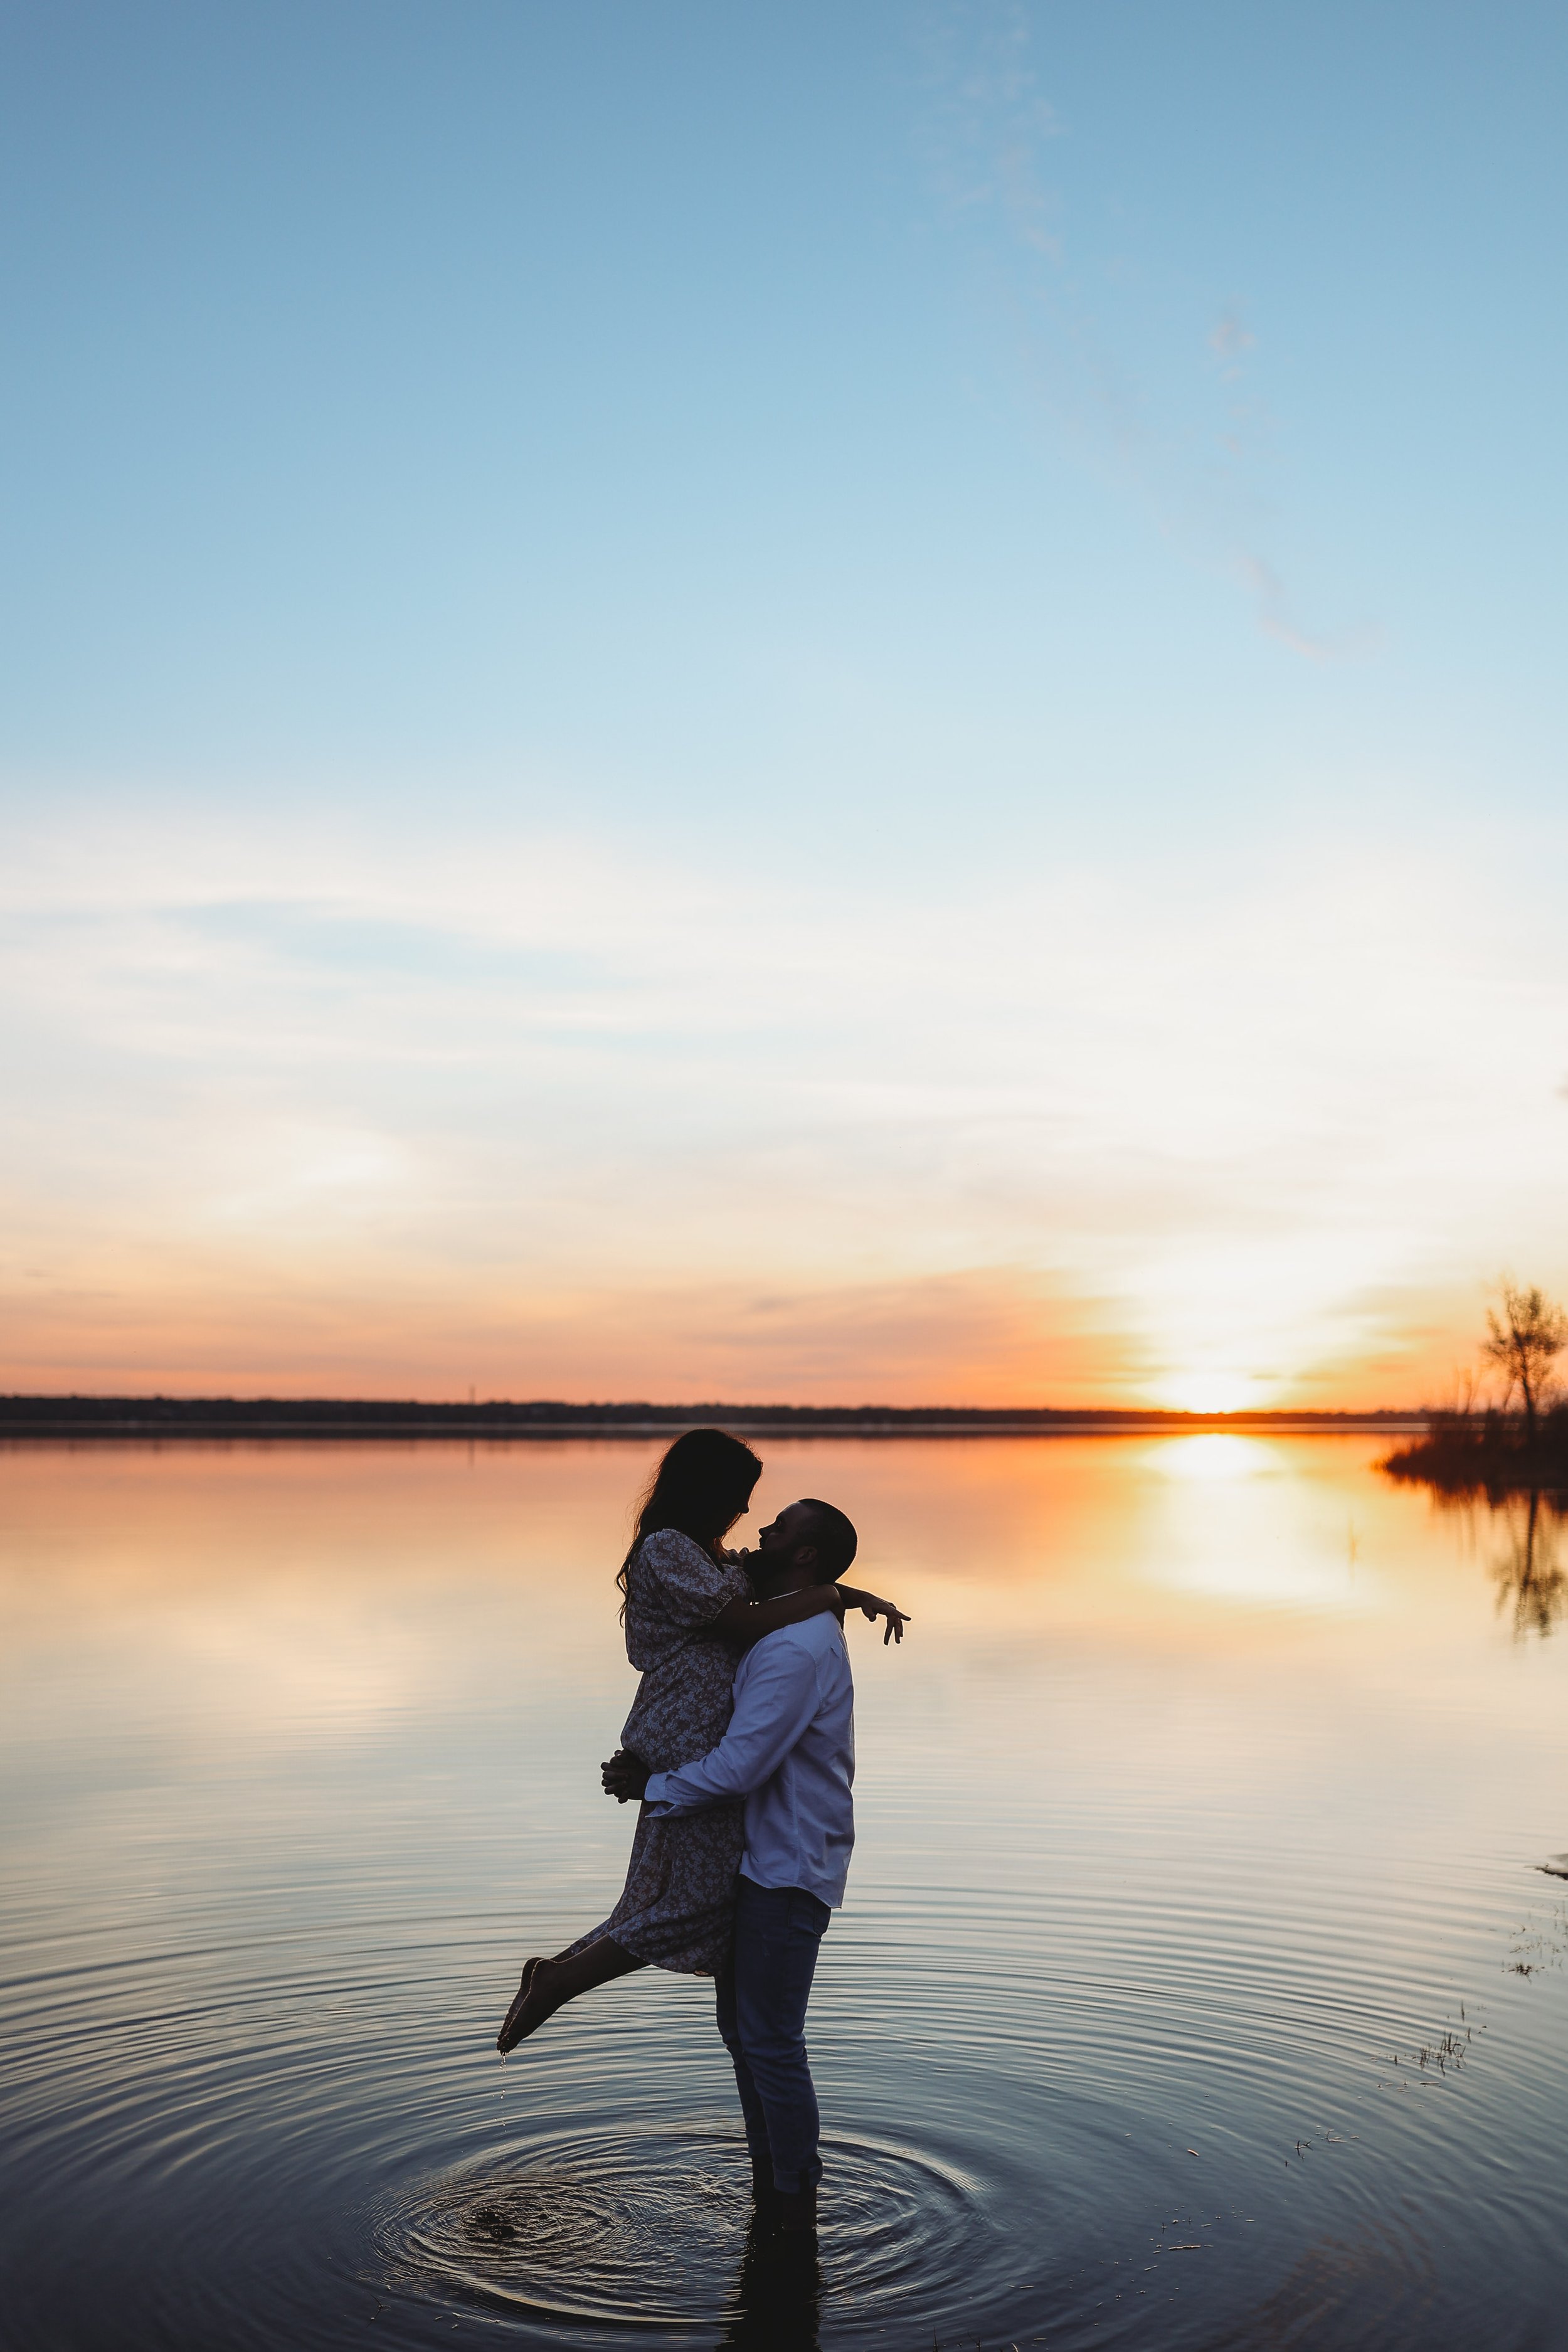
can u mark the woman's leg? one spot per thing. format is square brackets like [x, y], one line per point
[549, 1985]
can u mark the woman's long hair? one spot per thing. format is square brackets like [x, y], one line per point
[701, 1487]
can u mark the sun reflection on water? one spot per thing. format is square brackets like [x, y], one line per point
[1214, 1454]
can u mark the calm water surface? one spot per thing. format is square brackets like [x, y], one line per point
[1198, 1987]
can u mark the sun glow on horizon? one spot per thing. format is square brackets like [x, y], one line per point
[1212, 1393]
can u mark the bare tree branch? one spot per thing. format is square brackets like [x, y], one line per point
[1523, 1341]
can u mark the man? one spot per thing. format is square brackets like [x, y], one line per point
[790, 1752]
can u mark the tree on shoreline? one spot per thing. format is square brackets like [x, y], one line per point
[1522, 1342]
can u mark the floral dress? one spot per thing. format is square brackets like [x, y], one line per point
[679, 1901]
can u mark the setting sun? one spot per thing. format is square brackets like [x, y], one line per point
[1212, 1393]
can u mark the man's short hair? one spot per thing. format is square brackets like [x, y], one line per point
[835, 1538]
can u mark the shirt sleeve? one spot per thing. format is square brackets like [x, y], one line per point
[689, 1585]
[772, 1712]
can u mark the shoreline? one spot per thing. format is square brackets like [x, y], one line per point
[1489, 1454]
[76, 1419]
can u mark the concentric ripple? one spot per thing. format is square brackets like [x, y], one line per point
[645, 2228]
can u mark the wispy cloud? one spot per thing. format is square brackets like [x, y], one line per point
[1230, 340]
[1175, 416]
[573, 1117]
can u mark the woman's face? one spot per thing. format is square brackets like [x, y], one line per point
[742, 1506]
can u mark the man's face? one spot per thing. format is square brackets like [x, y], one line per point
[783, 1538]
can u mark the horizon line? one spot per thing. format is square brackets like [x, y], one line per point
[78, 1412]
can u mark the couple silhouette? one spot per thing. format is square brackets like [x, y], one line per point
[740, 1751]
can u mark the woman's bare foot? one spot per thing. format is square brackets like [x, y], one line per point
[513, 2029]
[549, 1985]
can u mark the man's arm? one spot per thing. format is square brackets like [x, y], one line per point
[770, 1714]
[746, 1622]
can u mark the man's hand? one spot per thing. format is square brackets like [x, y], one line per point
[872, 1605]
[625, 1777]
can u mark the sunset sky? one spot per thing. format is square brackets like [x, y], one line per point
[781, 702]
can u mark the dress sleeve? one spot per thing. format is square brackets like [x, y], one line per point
[688, 1584]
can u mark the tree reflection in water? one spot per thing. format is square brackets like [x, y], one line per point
[777, 2297]
[1529, 1572]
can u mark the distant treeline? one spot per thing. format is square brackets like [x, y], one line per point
[158, 1416]
[1487, 1452]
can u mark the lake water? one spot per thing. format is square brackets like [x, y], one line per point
[1199, 1985]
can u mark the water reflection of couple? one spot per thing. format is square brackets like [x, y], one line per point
[745, 1770]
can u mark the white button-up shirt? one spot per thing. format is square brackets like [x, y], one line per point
[790, 1752]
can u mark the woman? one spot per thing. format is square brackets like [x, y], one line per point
[689, 1611]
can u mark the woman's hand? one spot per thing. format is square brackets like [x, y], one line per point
[625, 1777]
[871, 1604]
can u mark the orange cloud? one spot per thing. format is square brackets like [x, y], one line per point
[559, 1123]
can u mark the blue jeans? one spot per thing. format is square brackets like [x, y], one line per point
[763, 1995]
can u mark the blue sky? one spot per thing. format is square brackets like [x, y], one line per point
[791, 698]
